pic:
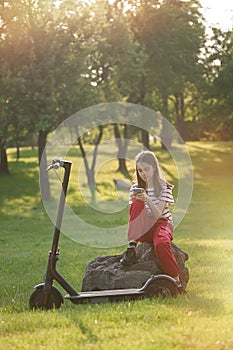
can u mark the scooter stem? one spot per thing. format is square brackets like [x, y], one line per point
[67, 166]
[51, 272]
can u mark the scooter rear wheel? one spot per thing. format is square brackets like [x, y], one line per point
[161, 288]
[39, 299]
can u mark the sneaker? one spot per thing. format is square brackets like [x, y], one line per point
[129, 257]
[178, 282]
[180, 288]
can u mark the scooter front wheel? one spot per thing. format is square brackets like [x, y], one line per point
[40, 299]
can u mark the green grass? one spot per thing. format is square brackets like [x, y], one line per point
[201, 319]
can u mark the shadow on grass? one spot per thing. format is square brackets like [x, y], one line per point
[23, 181]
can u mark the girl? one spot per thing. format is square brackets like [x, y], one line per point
[150, 218]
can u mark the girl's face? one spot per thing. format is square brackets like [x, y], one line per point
[146, 172]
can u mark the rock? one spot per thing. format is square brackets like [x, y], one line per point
[121, 185]
[106, 272]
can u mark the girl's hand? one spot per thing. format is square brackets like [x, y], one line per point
[140, 196]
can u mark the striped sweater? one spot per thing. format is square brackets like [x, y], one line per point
[165, 196]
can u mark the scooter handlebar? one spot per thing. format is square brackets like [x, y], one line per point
[56, 164]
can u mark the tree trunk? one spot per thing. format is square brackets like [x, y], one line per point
[179, 108]
[122, 144]
[144, 132]
[91, 183]
[17, 152]
[41, 143]
[44, 180]
[165, 135]
[90, 171]
[3, 159]
[145, 139]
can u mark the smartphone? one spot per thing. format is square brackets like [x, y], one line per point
[138, 190]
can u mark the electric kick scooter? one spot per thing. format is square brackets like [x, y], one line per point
[47, 296]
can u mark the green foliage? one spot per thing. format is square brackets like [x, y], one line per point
[201, 319]
[60, 57]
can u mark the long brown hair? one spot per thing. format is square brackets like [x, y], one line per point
[148, 157]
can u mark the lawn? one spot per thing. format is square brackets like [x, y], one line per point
[201, 319]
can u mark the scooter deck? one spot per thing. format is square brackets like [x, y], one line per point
[103, 296]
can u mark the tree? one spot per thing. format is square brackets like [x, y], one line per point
[13, 56]
[116, 64]
[219, 120]
[172, 33]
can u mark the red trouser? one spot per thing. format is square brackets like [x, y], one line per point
[142, 228]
